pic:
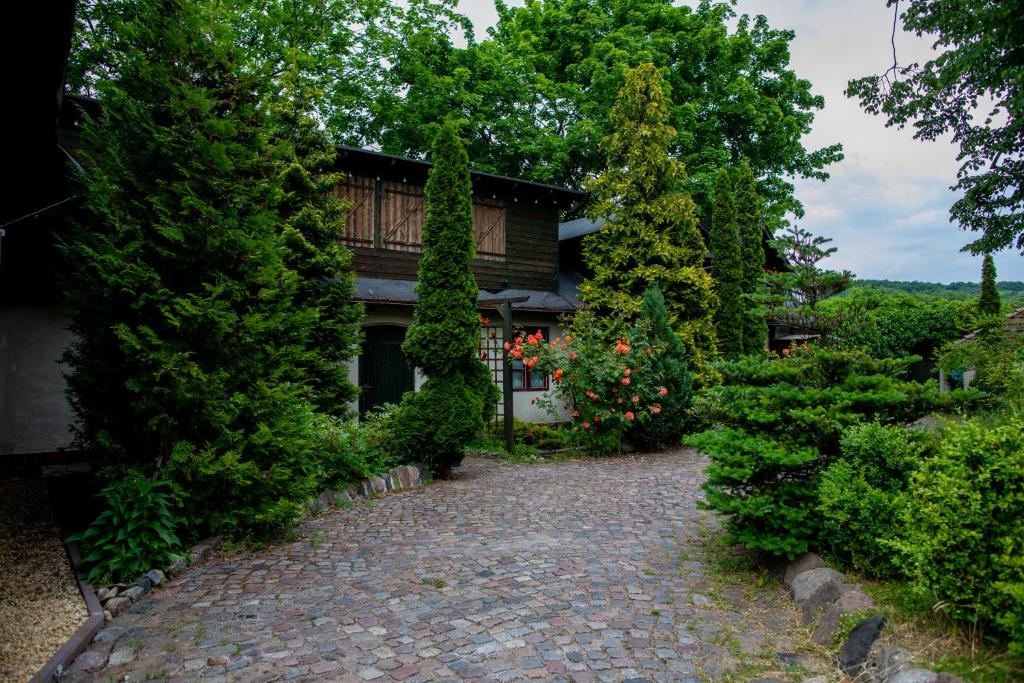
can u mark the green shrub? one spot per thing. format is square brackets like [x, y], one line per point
[997, 356]
[434, 424]
[541, 436]
[777, 423]
[353, 450]
[861, 494]
[964, 529]
[134, 533]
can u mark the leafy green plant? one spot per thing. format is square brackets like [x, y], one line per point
[134, 533]
[776, 425]
[964, 533]
[542, 436]
[996, 354]
[352, 450]
[861, 494]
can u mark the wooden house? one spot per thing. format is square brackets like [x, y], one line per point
[515, 224]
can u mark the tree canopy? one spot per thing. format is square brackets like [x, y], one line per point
[973, 89]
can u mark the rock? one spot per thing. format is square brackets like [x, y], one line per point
[217, 661]
[118, 605]
[396, 479]
[179, 565]
[342, 497]
[914, 676]
[792, 659]
[804, 563]
[145, 583]
[851, 603]
[405, 476]
[378, 486]
[107, 616]
[122, 656]
[132, 594]
[103, 593]
[816, 679]
[806, 583]
[858, 646]
[90, 660]
[943, 677]
[820, 600]
[417, 475]
[156, 576]
[367, 487]
[884, 662]
[109, 635]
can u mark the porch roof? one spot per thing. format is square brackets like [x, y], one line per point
[403, 293]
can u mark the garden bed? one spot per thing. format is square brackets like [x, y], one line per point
[40, 603]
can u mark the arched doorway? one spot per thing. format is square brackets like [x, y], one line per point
[384, 373]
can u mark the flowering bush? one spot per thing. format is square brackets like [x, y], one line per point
[607, 382]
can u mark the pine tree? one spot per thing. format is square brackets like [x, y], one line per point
[191, 341]
[669, 363]
[451, 407]
[752, 257]
[727, 270]
[651, 235]
[989, 302]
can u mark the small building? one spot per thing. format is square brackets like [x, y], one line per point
[516, 228]
[962, 379]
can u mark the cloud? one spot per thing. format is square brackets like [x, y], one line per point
[886, 205]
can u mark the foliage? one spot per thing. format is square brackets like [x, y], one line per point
[435, 423]
[651, 235]
[668, 364]
[134, 533]
[778, 422]
[752, 258]
[971, 89]
[891, 324]
[727, 270]
[541, 436]
[861, 494]
[194, 353]
[442, 341]
[996, 353]
[988, 301]
[954, 290]
[964, 532]
[793, 296]
[353, 450]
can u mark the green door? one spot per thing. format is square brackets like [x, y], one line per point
[384, 373]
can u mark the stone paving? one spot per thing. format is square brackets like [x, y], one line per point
[591, 570]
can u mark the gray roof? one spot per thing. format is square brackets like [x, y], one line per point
[403, 292]
[577, 228]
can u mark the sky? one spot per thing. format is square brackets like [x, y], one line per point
[886, 206]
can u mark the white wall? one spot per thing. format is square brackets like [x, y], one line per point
[35, 416]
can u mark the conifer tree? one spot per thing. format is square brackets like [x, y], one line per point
[752, 257]
[451, 407]
[191, 340]
[669, 364]
[650, 236]
[727, 270]
[989, 302]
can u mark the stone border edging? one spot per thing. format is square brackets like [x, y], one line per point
[83, 635]
[829, 602]
[398, 478]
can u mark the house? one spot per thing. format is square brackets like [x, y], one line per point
[516, 225]
[962, 379]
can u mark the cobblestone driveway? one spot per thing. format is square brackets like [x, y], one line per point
[579, 570]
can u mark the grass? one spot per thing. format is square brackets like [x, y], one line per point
[436, 583]
[936, 642]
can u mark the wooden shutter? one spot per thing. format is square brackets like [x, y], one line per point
[489, 228]
[359, 191]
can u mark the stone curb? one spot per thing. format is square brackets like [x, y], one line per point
[398, 478]
[827, 602]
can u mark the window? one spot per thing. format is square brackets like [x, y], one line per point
[525, 379]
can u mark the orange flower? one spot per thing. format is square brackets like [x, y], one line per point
[519, 340]
[649, 350]
[557, 374]
[597, 418]
[627, 372]
[626, 380]
[575, 413]
[586, 425]
[662, 391]
[618, 400]
[630, 415]
[572, 355]
[568, 337]
[564, 346]
[485, 321]
[656, 408]
[636, 399]
[507, 346]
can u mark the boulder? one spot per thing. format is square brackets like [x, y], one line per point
[914, 676]
[132, 594]
[884, 662]
[156, 576]
[806, 583]
[378, 485]
[857, 648]
[804, 563]
[117, 605]
[820, 600]
[943, 677]
[852, 603]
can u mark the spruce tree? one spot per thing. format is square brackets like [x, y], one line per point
[727, 270]
[191, 341]
[650, 236]
[989, 302]
[669, 363]
[439, 420]
[752, 257]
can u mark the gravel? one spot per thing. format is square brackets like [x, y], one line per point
[40, 606]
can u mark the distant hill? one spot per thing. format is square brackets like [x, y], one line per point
[955, 290]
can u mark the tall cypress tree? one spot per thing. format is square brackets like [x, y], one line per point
[726, 269]
[439, 420]
[752, 258]
[650, 236]
[989, 302]
[191, 339]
